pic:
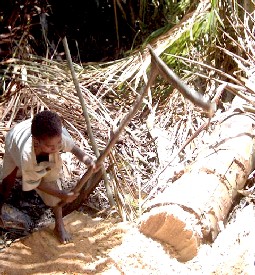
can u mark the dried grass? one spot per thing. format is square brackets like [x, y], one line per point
[166, 120]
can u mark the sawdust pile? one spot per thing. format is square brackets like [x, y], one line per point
[109, 246]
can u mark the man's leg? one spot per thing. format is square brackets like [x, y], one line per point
[59, 230]
[5, 190]
[6, 187]
[53, 202]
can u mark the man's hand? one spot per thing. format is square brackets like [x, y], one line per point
[95, 167]
[92, 164]
[87, 160]
[69, 197]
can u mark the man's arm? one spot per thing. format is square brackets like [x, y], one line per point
[61, 194]
[82, 156]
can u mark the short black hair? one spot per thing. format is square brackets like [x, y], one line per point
[46, 124]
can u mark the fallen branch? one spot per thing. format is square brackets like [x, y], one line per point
[157, 67]
[195, 97]
[121, 127]
[115, 135]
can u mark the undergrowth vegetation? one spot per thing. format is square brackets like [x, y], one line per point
[209, 44]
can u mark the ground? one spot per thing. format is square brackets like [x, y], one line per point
[104, 244]
[107, 245]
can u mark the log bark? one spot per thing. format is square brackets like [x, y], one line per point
[190, 211]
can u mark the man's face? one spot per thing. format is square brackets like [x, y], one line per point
[50, 145]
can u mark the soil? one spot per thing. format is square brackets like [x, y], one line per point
[103, 244]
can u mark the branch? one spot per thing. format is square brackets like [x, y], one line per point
[86, 115]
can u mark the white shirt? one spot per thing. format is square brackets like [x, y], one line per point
[19, 151]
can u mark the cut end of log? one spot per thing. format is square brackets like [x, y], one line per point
[174, 227]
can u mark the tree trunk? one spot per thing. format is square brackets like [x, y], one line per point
[190, 211]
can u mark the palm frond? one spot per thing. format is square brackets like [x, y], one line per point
[138, 166]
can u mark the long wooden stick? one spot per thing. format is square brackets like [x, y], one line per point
[86, 116]
[157, 67]
[116, 134]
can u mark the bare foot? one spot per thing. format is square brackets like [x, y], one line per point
[63, 236]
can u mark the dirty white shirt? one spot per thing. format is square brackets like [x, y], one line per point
[19, 151]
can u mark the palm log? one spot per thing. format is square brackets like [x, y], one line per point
[190, 211]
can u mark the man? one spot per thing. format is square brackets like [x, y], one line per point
[32, 151]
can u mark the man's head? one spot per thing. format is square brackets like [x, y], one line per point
[46, 129]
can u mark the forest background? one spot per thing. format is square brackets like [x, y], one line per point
[208, 44]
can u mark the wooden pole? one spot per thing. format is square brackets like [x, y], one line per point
[84, 179]
[157, 67]
[87, 119]
[119, 130]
